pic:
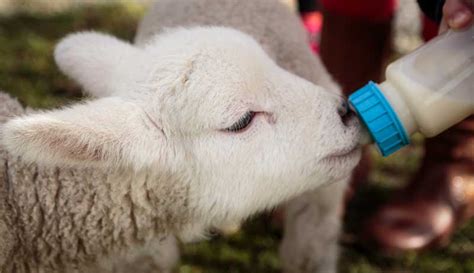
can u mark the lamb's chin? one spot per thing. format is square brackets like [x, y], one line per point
[342, 165]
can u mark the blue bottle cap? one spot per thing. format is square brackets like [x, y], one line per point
[381, 120]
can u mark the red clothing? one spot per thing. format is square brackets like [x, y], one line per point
[371, 10]
[375, 10]
[381, 10]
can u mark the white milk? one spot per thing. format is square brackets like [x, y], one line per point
[427, 91]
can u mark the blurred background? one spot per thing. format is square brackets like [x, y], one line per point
[29, 30]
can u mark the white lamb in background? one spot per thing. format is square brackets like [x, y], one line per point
[194, 127]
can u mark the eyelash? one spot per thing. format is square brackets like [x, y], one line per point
[242, 124]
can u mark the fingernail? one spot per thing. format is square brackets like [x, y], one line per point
[459, 19]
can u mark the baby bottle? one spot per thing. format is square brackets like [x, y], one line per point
[426, 91]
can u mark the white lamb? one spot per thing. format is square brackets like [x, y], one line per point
[193, 127]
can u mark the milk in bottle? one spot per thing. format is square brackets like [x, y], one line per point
[426, 91]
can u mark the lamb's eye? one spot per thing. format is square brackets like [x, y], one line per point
[242, 123]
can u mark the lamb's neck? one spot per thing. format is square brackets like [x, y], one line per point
[74, 215]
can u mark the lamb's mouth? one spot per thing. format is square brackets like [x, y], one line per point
[342, 156]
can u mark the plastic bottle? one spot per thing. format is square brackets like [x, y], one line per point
[426, 91]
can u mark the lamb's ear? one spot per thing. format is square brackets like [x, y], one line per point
[108, 132]
[101, 63]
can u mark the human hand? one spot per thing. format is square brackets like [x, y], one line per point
[457, 14]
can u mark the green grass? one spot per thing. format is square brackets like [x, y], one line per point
[27, 68]
[27, 71]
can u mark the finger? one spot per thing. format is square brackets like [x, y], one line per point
[457, 14]
[443, 26]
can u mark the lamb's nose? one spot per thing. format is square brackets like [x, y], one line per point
[343, 108]
[345, 112]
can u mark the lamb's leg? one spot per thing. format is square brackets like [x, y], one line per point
[312, 226]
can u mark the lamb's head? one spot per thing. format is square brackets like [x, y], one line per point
[205, 104]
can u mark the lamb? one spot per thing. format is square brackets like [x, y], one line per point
[46, 214]
[312, 221]
[189, 129]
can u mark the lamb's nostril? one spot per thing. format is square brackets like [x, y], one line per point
[345, 112]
